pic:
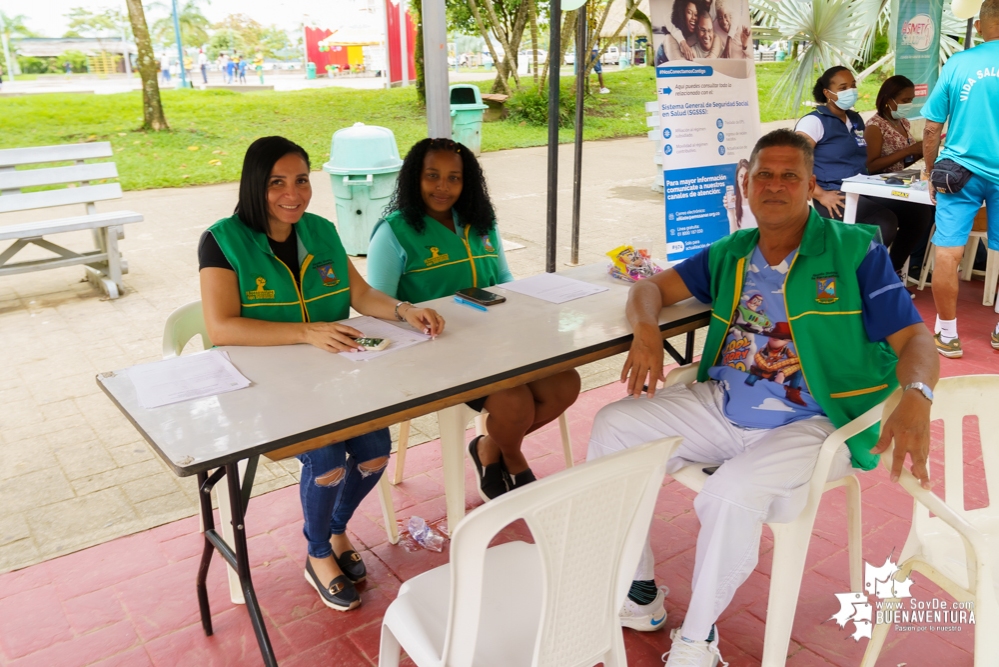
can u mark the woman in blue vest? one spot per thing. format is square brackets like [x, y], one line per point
[836, 132]
[272, 274]
[439, 236]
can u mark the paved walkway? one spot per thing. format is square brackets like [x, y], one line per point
[132, 602]
[74, 472]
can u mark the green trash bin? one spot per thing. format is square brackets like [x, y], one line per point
[310, 70]
[364, 165]
[623, 62]
[466, 116]
[781, 56]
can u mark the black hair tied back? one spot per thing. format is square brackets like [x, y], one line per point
[822, 85]
[258, 164]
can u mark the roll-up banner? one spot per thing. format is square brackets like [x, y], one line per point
[917, 47]
[709, 117]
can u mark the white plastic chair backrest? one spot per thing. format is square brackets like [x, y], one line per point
[954, 399]
[589, 523]
[181, 326]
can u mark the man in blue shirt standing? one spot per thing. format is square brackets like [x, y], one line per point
[967, 94]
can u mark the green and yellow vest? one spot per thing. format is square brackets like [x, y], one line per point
[267, 288]
[440, 262]
[846, 373]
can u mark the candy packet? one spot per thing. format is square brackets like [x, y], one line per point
[632, 264]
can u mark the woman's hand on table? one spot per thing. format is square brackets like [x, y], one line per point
[332, 336]
[425, 320]
[832, 200]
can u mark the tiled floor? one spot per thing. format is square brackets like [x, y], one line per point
[131, 601]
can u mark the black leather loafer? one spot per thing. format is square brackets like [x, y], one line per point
[351, 565]
[340, 594]
[492, 480]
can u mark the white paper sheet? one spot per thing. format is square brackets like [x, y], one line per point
[553, 288]
[184, 378]
[399, 338]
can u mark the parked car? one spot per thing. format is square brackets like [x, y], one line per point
[529, 56]
[612, 56]
[570, 57]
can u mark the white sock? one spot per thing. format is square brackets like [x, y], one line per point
[946, 328]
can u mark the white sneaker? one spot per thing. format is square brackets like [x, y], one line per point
[684, 653]
[604, 91]
[645, 617]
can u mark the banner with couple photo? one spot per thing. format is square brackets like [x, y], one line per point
[709, 117]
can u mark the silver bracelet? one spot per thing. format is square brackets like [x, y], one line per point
[397, 315]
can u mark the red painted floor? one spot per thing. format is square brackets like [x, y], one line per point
[132, 601]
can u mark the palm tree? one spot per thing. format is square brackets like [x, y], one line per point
[835, 32]
[15, 27]
[193, 24]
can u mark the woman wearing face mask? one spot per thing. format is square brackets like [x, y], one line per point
[890, 148]
[836, 132]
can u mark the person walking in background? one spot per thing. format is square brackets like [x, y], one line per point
[242, 68]
[598, 69]
[258, 65]
[164, 68]
[203, 65]
[967, 94]
[230, 69]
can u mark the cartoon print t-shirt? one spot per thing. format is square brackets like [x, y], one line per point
[759, 367]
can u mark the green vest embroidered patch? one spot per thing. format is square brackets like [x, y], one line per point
[845, 372]
[267, 287]
[440, 262]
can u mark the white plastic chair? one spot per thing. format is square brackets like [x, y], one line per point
[968, 264]
[554, 603]
[957, 549]
[181, 326]
[791, 539]
[452, 423]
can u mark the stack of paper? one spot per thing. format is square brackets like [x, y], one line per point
[371, 327]
[553, 288]
[184, 378]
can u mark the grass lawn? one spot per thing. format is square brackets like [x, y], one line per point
[211, 129]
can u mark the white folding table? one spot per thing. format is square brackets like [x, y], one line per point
[855, 186]
[303, 398]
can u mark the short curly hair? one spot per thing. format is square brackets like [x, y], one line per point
[474, 208]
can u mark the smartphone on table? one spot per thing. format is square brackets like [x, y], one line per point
[480, 296]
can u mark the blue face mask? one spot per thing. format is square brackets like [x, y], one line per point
[845, 99]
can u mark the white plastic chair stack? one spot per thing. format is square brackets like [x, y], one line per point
[791, 539]
[554, 603]
[956, 548]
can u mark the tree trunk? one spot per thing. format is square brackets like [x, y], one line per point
[627, 17]
[416, 11]
[152, 107]
[567, 32]
[509, 42]
[504, 86]
[533, 9]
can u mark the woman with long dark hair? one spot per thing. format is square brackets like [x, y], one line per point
[836, 132]
[439, 236]
[272, 274]
[890, 148]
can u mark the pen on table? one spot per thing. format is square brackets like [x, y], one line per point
[476, 306]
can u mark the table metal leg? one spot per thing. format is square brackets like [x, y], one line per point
[236, 554]
[452, 422]
[688, 353]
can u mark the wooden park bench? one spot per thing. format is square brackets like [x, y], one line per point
[104, 265]
[497, 106]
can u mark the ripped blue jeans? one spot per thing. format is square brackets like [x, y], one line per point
[334, 481]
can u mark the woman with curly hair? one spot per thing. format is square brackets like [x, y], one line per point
[439, 236]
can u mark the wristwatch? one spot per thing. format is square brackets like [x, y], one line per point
[404, 303]
[923, 389]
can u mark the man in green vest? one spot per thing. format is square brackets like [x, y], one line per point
[842, 335]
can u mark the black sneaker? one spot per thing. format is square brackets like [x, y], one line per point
[492, 479]
[351, 564]
[520, 479]
[340, 594]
